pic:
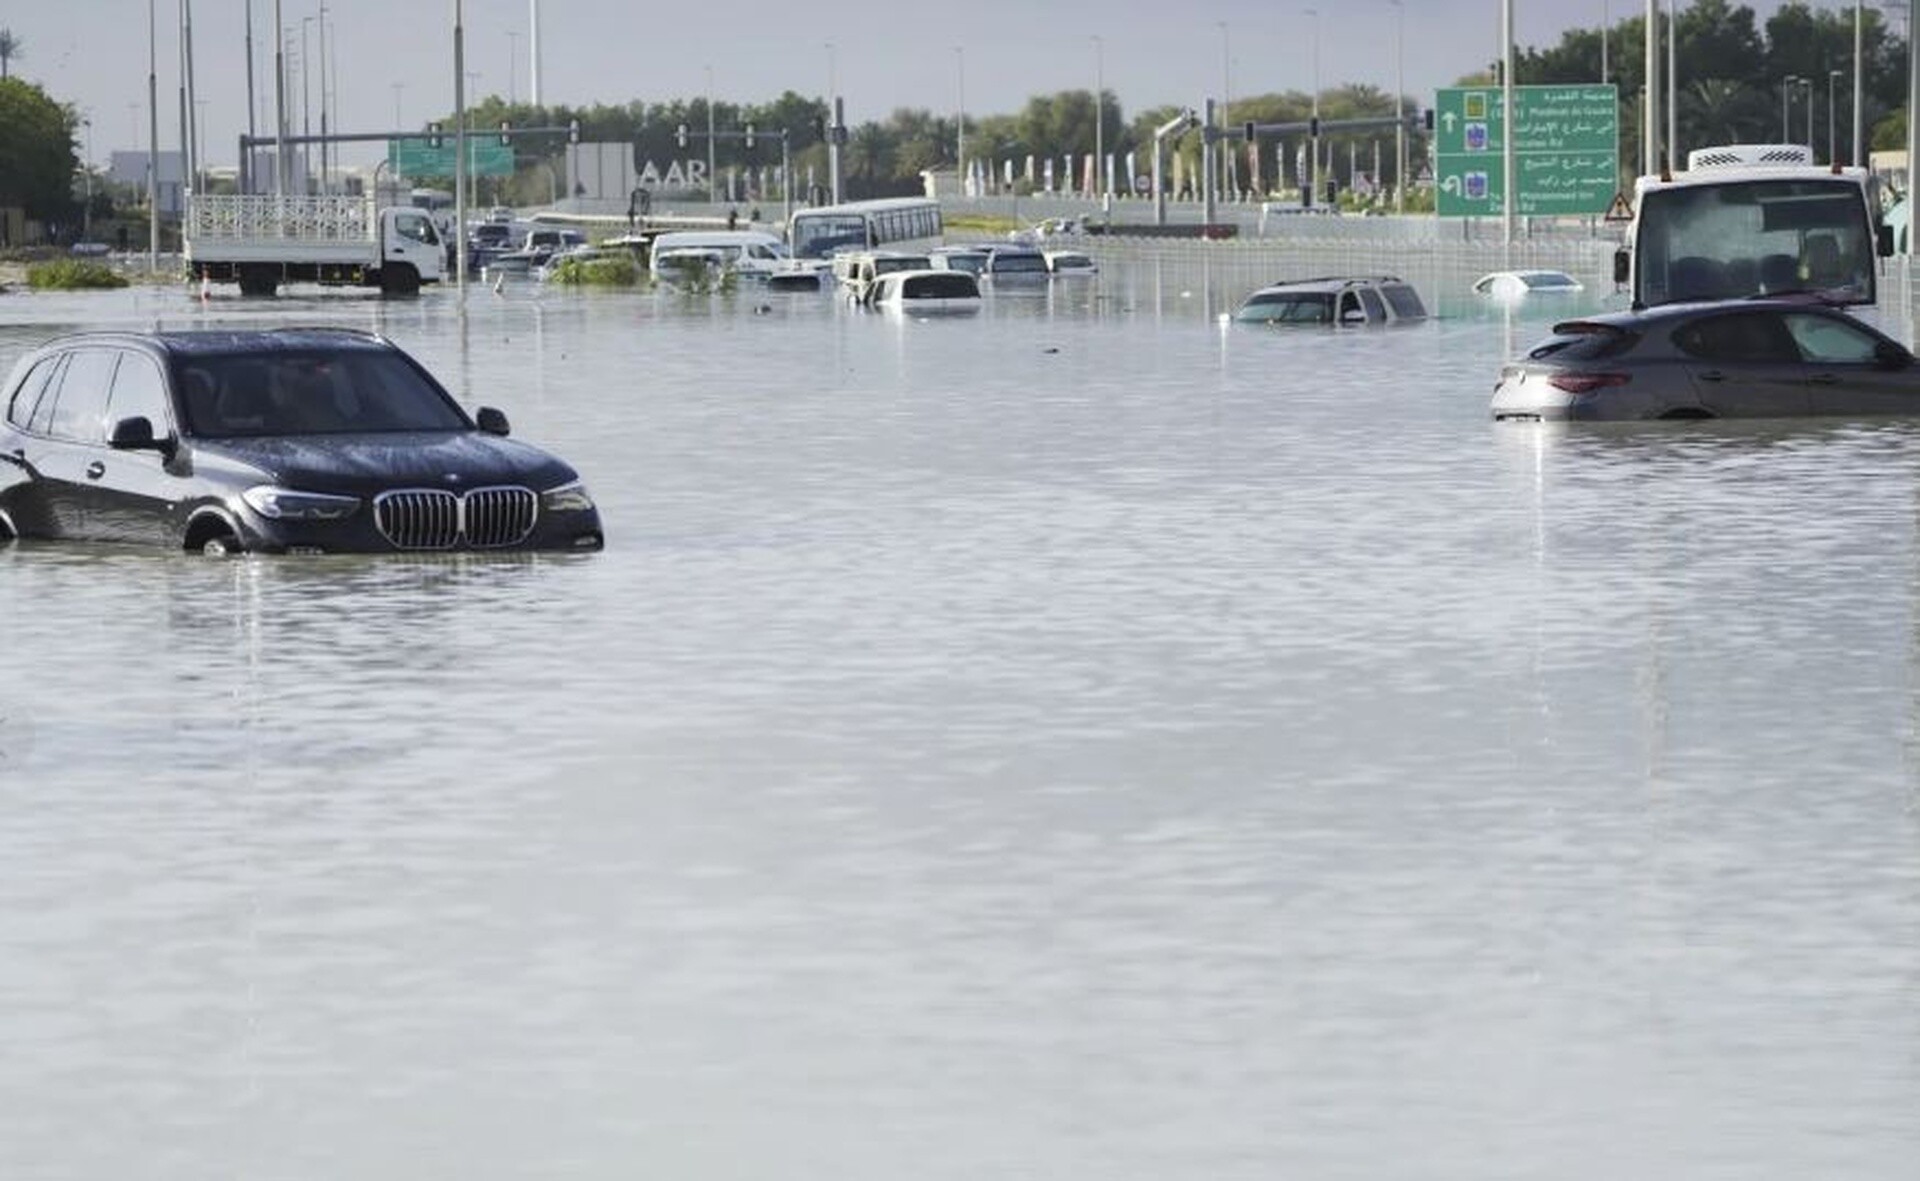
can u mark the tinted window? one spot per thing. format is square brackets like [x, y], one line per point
[1743, 336]
[1406, 305]
[1583, 342]
[949, 286]
[313, 392]
[1290, 308]
[1829, 340]
[1370, 299]
[20, 410]
[82, 397]
[139, 391]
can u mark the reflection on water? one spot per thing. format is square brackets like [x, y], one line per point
[1082, 739]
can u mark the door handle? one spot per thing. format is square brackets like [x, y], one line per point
[1713, 375]
[96, 469]
[1823, 379]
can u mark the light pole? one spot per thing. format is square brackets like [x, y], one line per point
[833, 129]
[960, 116]
[1673, 86]
[1650, 109]
[713, 187]
[1808, 83]
[513, 51]
[1313, 184]
[1859, 74]
[1400, 105]
[1786, 94]
[398, 123]
[1832, 148]
[1223, 183]
[306, 114]
[153, 144]
[86, 211]
[1606, 22]
[1099, 123]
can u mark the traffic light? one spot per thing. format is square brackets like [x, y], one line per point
[1249, 130]
[1426, 119]
[433, 135]
[680, 135]
[749, 137]
[573, 131]
[506, 134]
[1313, 126]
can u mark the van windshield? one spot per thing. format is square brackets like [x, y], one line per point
[1741, 238]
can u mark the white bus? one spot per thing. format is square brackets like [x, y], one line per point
[908, 224]
[1754, 219]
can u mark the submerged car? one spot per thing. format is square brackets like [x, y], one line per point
[1757, 358]
[1349, 301]
[1513, 284]
[927, 291]
[279, 440]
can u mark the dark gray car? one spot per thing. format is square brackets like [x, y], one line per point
[1769, 358]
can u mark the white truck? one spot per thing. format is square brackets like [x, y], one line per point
[260, 241]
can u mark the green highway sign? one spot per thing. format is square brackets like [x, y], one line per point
[1566, 148]
[416, 156]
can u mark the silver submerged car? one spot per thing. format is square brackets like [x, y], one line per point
[1759, 358]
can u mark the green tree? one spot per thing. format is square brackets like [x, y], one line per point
[37, 158]
[9, 49]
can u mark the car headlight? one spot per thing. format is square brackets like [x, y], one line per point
[286, 504]
[567, 498]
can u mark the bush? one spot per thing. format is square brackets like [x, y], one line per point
[72, 274]
[615, 271]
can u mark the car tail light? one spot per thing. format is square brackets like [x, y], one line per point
[1586, 383]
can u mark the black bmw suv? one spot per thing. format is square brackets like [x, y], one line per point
[283, 440]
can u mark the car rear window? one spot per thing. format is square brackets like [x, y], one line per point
[1405, 303]
[1583, 340]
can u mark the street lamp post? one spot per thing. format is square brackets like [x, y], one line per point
[86, 211]
[1786, 94]
[1833, 156]
[1225, 164]
[960, 115]
[513, 52]
[1400, 107]
[1313, 141]
[1099, 125]
[713, 187]
[1808, 83]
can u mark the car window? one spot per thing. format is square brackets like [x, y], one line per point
[81, 403]
[1751, 337]
[1583, 341]
[1829, 340]
[349, 391]
[1376, 309]
[1295, 307]
[1406, 304]
[20, 411]
[417, 226]
[1350, 311]
[139, 391]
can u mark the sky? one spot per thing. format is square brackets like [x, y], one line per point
[390, 62]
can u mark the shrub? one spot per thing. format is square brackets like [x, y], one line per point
[72, 274]
[615, 271]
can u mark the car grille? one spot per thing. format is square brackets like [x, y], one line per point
[429, 518]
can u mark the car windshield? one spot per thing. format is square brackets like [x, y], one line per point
[311, 392]
[1290, 307]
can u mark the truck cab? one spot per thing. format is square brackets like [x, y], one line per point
[409, 240]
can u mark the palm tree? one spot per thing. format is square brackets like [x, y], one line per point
[9, 49]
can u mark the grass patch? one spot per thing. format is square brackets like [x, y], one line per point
[979, 223]
[73, 274]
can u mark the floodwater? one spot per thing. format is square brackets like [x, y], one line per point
[1077, 740]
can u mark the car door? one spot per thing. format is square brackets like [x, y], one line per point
[23, 494]
[1851, 369]
[67, 444]
[135, 492]
[1743, 364]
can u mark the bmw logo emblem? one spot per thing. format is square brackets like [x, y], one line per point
[453, 477]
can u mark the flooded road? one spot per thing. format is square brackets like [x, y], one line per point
[1077, 740]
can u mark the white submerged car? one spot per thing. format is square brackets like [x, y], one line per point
[926, 292]
[1516, 284]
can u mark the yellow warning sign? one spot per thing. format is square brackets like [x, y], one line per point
[1621, 209]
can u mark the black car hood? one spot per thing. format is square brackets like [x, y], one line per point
[365, 464]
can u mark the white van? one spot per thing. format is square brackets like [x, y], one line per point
[751, 254]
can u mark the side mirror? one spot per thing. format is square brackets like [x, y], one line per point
[1622, 266]
[136, 434]
[492, 421]
[1888, 355]
[1883, 240]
